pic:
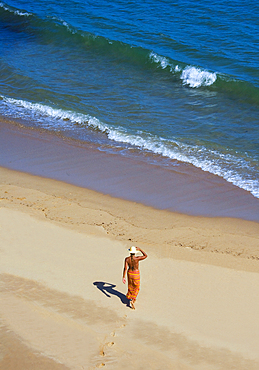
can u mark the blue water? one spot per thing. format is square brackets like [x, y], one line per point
[178, 81]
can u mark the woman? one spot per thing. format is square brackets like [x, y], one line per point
[132, 269]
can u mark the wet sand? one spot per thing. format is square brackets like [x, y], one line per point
[180, 188]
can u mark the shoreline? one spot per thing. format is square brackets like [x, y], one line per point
[182, 189]
[196, 307]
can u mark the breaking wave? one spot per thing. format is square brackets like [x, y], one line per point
[190, 75]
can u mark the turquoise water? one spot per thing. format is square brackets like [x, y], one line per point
[177, 81]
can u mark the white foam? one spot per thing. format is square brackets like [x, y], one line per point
[164, 62]
[67, 27]
[25, 14]
[191, 76]
[41, 111]
[195, 77]
[17, 12]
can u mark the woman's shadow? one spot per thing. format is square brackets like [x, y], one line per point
[109, 288]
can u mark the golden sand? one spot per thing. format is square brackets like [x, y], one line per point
[63, 302]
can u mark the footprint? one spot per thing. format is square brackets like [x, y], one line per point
[113, 334]
[123, 325]
[101, 365]
[102, 353]
[110, 344]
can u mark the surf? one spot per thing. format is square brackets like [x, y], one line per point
[237, 170]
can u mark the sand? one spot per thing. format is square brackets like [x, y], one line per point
[63, 302]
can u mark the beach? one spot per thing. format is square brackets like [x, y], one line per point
[129, 124]
[63, 301]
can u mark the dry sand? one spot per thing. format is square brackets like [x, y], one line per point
[198, 306]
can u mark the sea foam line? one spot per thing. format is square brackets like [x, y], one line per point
[17, 12]
[208, 160]
[39, 111]
[223, 165]
[190, 75]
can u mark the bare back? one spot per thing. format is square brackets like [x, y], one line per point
[132, 262]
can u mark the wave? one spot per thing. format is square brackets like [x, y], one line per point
[196, 77]
[59, 32]
[233, 168]
[14, 11]
[190, 75]
[41, 114]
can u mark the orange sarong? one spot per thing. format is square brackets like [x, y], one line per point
[133, 284]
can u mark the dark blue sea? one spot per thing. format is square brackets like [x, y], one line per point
[175, 80]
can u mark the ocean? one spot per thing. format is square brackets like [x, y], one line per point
[173, 82]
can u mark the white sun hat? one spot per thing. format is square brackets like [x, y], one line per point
[133, 250]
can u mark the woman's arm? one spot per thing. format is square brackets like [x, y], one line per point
[125, 271]
[144, 254]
